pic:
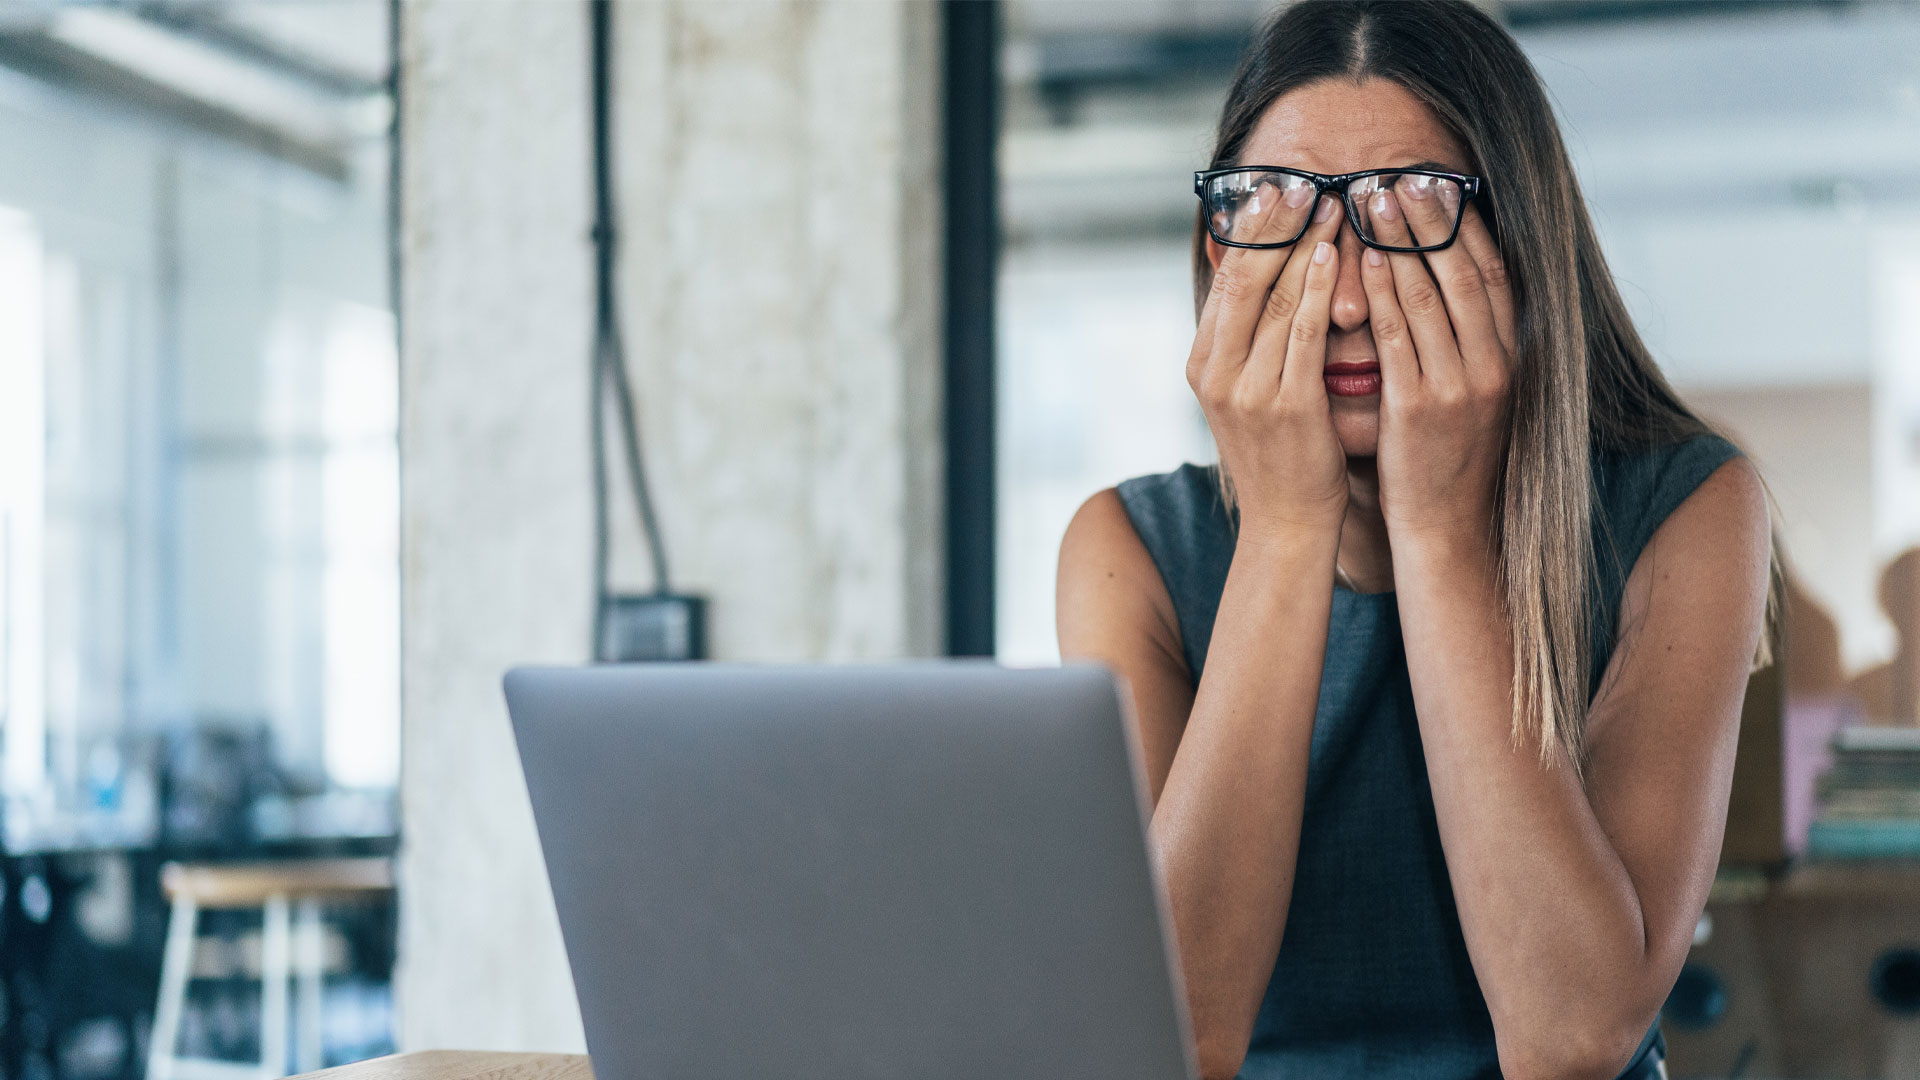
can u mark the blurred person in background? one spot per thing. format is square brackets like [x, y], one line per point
[1890, 692]
[1479, 593]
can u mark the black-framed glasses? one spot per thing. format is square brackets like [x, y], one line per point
[1270, 206]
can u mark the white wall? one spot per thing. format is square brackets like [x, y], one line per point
[778, 170]
[495, 511]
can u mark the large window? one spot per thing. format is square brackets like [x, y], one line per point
[198, 489]
[1108, 110]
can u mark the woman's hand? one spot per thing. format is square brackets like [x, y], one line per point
[1257, 367]
[1444, 329]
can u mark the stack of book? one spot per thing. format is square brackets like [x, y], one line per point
[1870, 799]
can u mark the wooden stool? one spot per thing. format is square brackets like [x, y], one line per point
[274, 888]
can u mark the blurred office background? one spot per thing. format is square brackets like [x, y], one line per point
[904, 284]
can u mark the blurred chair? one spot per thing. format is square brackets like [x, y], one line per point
[288, 895]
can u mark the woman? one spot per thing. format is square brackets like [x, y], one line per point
[1438, 677]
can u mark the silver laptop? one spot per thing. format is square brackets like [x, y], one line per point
[924, 870]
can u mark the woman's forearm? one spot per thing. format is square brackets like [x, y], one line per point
[1550, 914]
[1227, 825]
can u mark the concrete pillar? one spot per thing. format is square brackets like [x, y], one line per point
[778, 165]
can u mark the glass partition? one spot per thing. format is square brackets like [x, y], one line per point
[199, 516]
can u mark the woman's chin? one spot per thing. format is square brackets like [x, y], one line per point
[1358, 428]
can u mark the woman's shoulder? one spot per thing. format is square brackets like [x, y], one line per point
[1179, 514]
[1182, 520]
[1635, 488]
[1187, 487]
[1635, 491]
[1700, 452]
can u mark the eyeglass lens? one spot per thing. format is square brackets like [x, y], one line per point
[1259, 207]
[1274, 208]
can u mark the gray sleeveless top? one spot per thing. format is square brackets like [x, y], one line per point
[1373, 976]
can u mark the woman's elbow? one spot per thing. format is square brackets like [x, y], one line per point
[1574, 1050]
[1220, 1048]
[1219, 1059]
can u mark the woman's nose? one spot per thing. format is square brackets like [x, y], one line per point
[1349, 295]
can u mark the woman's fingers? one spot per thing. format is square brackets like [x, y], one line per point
[1430, 206]
[1421, 304]
[1493, 272]
[1267, 358]
[1392, 338]
[1303, 378]
[1246, 276]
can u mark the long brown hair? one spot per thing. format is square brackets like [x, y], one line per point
[1585, 381]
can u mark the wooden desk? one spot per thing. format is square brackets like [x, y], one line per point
[463, 1065]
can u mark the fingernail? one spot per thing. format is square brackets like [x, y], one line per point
[1256, 203]
[1376, 257]
[1384, 206]
[1325, 211]
[1298, 194]
[1450, 194]
[1322, 251]
[1419, 186]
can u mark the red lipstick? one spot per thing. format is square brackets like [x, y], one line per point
[1350, 378]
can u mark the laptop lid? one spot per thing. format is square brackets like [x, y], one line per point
[925, 870]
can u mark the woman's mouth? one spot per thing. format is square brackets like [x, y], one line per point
[1353, 378]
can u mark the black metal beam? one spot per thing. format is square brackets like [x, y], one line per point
[1539, 14]
[1101, 58]
[972, 128]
